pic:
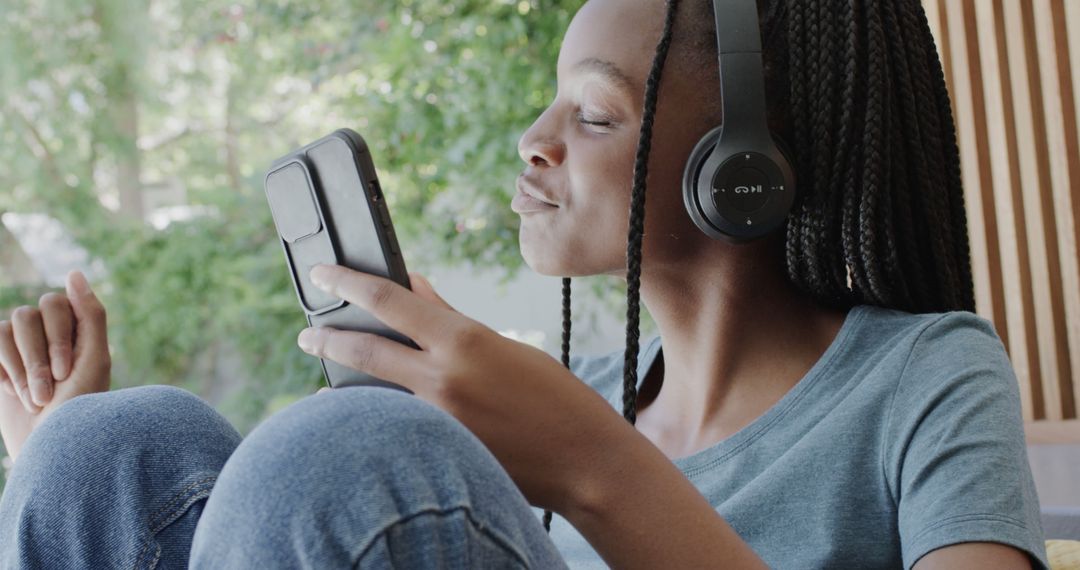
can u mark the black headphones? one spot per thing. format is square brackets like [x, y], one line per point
[739, 184]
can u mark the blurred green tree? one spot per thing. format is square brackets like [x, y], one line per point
[109, 109]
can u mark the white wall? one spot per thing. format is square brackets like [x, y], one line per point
[529, 308]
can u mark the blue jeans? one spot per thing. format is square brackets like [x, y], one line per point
[360, 477]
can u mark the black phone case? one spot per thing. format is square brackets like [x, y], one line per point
[328, 208]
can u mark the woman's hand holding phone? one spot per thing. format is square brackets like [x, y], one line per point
[48, 355]
[552, 433]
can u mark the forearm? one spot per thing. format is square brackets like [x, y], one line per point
[640, 511]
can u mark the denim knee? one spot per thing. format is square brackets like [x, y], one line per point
[103, 479]
[377, 434]
[98, 430]
[329, 475]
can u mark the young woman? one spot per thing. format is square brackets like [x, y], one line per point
[823, 397]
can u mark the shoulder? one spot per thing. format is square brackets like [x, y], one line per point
[947, 350]
[911, 329]
[915, 349]
[930, 361]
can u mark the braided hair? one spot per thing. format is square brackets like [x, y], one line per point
[858, 89]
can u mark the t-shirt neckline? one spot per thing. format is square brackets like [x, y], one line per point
[720, 451]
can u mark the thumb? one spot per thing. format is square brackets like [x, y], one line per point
[421, 286]
[90, 327]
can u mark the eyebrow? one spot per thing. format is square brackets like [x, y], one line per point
[607, 70]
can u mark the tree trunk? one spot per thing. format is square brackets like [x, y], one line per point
[124, 114]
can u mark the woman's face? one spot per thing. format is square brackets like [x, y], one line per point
[580, 151]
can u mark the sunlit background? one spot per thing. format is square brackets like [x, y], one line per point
[134, 136]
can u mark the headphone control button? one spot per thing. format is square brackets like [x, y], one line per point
[746, 190]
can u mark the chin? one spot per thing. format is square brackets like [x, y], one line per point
[543, 262]
[563, 264]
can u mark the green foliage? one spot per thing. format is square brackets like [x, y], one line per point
[201, 97]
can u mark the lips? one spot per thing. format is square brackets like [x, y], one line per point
[532, 190]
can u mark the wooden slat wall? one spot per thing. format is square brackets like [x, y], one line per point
[1013, 69]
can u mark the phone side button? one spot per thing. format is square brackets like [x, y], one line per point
[394, 244]
[384, 215]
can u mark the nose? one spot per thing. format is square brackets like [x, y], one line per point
[539, 147]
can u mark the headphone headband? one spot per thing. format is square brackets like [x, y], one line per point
[742, 76]
[737, 27]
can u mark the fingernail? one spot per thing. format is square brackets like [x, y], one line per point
[78, 282]
[317, 275]
[41, 392]
[60, 368]
[306, 340]
[27, 403]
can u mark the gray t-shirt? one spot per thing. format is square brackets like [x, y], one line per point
[906, 436]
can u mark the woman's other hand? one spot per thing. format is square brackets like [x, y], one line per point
[48, 355]
[548, 429]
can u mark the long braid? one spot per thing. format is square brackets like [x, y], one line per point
[837, 274]
[910, 165]
[821, 77]
[566, 322]
[931, 165]
[797, 73]
[637, 217]
[960, 288]
[565, 356]
[872, 142]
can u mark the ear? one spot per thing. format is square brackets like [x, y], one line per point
[422, 287]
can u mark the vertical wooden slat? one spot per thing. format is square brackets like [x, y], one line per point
[1061, 133]
[1042, 300]
[1068, 79]
[1072, 32]
[980, 204]
[1071, 272]
[1004, 182]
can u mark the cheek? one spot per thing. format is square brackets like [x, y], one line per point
[587, 236]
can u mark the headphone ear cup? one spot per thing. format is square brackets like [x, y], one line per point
[692, 173]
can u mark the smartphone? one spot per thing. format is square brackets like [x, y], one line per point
[328, 207]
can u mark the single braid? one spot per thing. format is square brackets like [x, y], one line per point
[820, 152]
[836, 272]
[853, 179]
[565, 356]
[804, 216]
[876, 157]
[566, 322]
[909, 170]
[637, 217]
[929, 165]
[801, 140]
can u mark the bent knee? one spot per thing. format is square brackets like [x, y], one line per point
[355, 429]
[128, 422]
[354, 415]
[374, 453]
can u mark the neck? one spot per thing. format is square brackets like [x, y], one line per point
[737, 335]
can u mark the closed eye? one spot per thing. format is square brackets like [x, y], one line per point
[594, 121]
